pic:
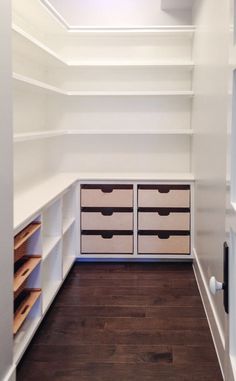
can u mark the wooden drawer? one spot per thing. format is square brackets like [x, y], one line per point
[162, 196]
[107, 196]
[105, 243]
[167, 220]
[106, 220]
[154, 244]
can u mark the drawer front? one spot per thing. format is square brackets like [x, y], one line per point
[152, 244]
[115, 221]
[171, 221]
[117, 244]
[98, 198]
[174, 198]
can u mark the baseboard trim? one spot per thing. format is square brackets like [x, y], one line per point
[213, 321]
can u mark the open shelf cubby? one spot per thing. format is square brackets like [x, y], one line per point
[69, 249]
[51, 276]
[68, 208]
[52, 226]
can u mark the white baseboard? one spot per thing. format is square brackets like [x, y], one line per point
[212, 317]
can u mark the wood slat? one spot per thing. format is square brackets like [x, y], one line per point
[24, 309]
[24, 272]
[25, 234]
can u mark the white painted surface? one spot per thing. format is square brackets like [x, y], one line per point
[104, 13]
[175, 5]
[6, 195]
[209, 120]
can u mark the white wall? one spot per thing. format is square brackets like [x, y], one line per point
[209, 121]
[117, 13]
[6, 198]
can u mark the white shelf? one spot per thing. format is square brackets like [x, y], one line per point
[49, 243]
[120, 64]
[47, 87]
[136, 176]
[29, 136]
[49, 295]
[38, 135]
[28, 203]
[67, 264]
[186, 93]
[67, 224]
[185, 30]
[36, 42]
[36, 83]
[24, 337]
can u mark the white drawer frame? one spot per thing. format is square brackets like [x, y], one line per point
[135, 256]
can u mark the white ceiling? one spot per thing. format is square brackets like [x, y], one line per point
[110, 13]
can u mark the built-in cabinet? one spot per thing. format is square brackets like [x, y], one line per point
[44, 251]
[135, 220]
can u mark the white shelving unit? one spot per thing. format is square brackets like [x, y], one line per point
[92, 104]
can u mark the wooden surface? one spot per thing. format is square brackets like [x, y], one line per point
[24, 309]
[124, 322]
[24, 272]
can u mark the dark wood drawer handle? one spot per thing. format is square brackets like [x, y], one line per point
[163, 235]
[107, 212]
[107, 235]
[163, 213]
[107, 190]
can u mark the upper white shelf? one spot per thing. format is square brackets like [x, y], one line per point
[39, 135]
[183, 30]
[47, 87]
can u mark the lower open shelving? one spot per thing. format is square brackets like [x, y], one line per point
[24, 335]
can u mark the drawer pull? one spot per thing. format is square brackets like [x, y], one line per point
[163, 189]
[106, 189]
[107, 212]
[107, 235]
[163, 213]
[163, 235]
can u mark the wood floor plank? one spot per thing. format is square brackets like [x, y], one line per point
[125, 322]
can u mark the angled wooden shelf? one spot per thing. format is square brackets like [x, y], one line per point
[23, 273]
[24, 309]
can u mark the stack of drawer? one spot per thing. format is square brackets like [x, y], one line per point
[164, 219]
[106, 219]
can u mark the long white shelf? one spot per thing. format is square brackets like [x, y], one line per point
[38, 135]
[123, 63]
[34, 82]
[29, 136]
[45, 86]
[185, 93]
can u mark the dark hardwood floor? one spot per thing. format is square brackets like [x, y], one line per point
[124, 322]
